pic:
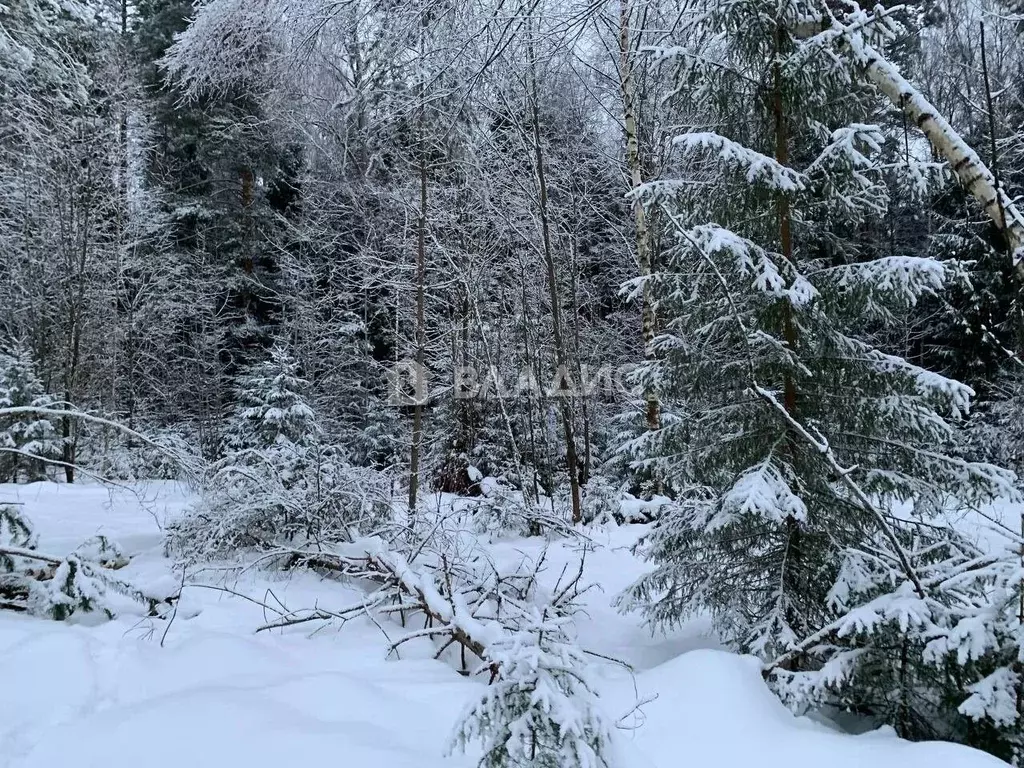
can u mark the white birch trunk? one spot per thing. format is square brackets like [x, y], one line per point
[963, 160]
[644, 244]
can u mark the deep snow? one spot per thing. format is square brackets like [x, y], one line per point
[215, 694]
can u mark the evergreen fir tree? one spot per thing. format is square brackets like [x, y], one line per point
[274, 419]
[542, 711]
[279, 479]
[227, 180]
[796, 432]
[24, 435]
[272, 409]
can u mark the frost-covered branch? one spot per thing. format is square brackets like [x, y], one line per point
[756, 167]
[538, 708]
[848, 37]
[183, 460]
[820, 444]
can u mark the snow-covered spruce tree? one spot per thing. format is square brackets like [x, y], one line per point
[984, 646]
[272, 408]
[797, 433]
[279, 480]
[56, 587]
[541, 710]
[24, 435]
[267, 442]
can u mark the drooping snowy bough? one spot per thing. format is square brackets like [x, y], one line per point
[851, 37]
[58, 587]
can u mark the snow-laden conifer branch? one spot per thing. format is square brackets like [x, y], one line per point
[29, 554]
[968, 620]
[904, 278]
[756, 167]
[768, 273]
[849, 36]
[820, 444]
[49, 585]
[763, 490]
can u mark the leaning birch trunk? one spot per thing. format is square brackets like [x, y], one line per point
[964, 161]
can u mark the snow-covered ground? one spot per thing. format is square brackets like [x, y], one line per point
[208, 692]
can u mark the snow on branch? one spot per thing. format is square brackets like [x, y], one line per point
[54, 586]
[848, 171]
[995, 697]
[903, 278]
[182, 458]
[751, 260]
[542, 711]
[763, 490]
[757, 168]
[955, 395]
[822, 447]
[539, 708]
[225, 45]
[848, 36]
[850, 145]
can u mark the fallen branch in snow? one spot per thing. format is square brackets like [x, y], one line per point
[66, 585]
[79, 581]
[538, 705]
[29, 554]
[636, 709]
[446, 610]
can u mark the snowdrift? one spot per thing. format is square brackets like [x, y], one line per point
[215, 695]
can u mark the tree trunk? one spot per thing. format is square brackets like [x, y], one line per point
[792, 564]
[948, 144]
[644, 236]
[561, 358]
[421, 275]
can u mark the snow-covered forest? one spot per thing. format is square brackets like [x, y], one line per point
[509, 383]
